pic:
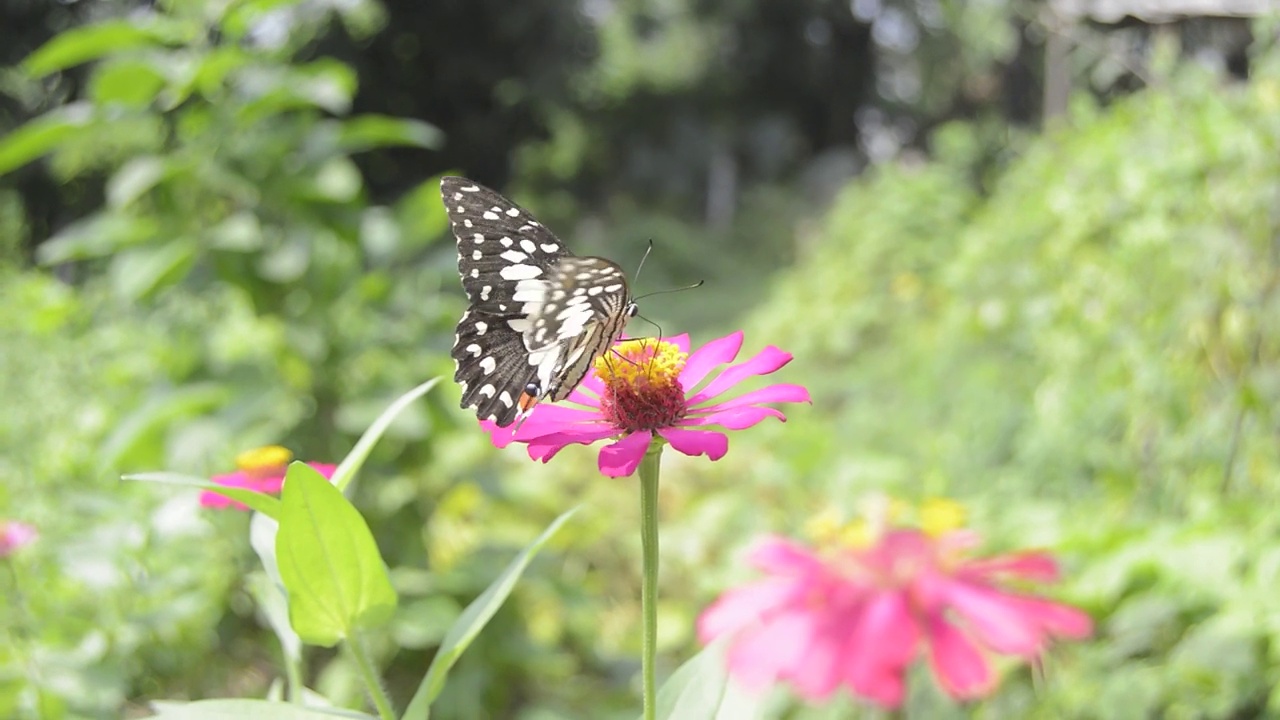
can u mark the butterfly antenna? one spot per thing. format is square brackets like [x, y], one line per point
[644, 257]
[694, 286]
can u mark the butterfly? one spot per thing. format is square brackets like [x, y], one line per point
[539, 316]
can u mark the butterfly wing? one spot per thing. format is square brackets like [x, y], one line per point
[538, 315]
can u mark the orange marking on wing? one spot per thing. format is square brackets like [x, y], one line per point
[527, 402]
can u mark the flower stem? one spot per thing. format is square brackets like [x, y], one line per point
[649, 584]
[355, 644]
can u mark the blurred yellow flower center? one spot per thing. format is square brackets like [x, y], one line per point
[642, 389]
[934, 517]
[264, 461]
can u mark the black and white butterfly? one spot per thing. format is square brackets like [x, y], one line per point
[539, 316]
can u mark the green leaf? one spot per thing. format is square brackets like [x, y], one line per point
[96, 236]
[701, 689]
[134, 178]
[42, 135]
[264, 504]
[268, 588]
[240, 709]
[472, 621]
[131, 82]
[347, 469]
[140, 272]
[89, 42]
[328, 561]
[366, 132]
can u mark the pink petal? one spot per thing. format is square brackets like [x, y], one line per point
[707, 357]
[545, 447]
[821, 671]
[780, 556]
[14, 535]
[1027, 565]
[1001, 622]
[770, 394]
[697, 442]
[623, 457]
[780, 647]
[747, 604]
[735, 418]
[324, 469]
[764, 362]
[881, 647]
[960, 668]
[212, 498]
[588, 391]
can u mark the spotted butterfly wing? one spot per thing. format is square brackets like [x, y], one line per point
[539, 316]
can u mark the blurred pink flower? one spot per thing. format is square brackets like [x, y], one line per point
[647, 386]
[261, 469]
[14, 535]
[860, 616]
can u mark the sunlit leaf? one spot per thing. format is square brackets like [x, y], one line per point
[701, 689]
[373, 131]
[472, 621]
[129, 82]
[82, 44]
[140, 272]
[328, 561]
[42, 135]
[134, 178]
[96, 236]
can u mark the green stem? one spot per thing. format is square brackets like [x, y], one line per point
[649, 586]
[370, 677]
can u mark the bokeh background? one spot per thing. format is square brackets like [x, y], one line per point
[1025, 254]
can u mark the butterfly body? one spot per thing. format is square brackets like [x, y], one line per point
[539, 315]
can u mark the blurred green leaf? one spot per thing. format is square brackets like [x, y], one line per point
[241, 709]
[264, 504]
[351, 464]
[43, 135]
[702, 689]
[89, 42]
[365, 132]
[139, 272]
[96, 236]
[130, 82]
[328, 560]
[133, 179]
[134, 432]
[472, 621]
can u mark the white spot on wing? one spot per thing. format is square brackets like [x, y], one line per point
[474, 349]
[490, 215]
[481, 327]
[476, 255]
[520, 272]
[507, 242]
[514, 256]
[484, 292]
[546, 247]
[487, 391]
[513, 212]
[520, 325]
[527, 245]
[612, 288]
[505, 397]
[488, 365]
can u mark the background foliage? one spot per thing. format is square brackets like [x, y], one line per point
[219, 228]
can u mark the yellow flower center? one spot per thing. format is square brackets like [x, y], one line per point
[264, 461]
[642, 389]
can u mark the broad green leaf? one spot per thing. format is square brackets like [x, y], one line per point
[328, 561]
[42, 135]
[347, 469]
[242, 709]
[472, 621]
[131, 82]
[422, 215]
[264, 504]
[701, 689]
[134, 178]
[96, 236]
[89, 42]
[366, 132]
[140, 272]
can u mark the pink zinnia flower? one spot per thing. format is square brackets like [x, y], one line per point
[859, 617]
[261, 469]
[14, 535]
[647, 386]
